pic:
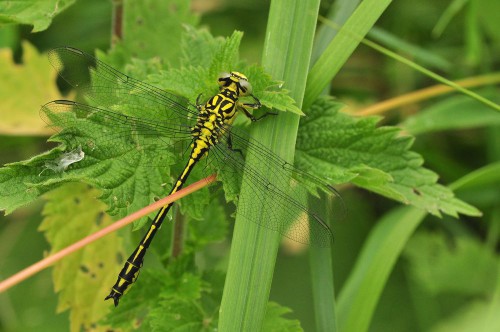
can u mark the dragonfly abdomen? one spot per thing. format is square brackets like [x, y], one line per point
[216, 114]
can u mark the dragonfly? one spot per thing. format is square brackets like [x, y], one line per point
[116, 100]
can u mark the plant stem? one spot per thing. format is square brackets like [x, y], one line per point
[117, 21]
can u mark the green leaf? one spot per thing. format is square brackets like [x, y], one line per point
[194, 205]
[419, 54]
[128, 181]
[156, 285]
[178, 315]
[376, 179]
[139, 300]
[467, 268]
[20, 102]
[458, 112]
[342, 46]
[213, 227]
[194, 309]
[487, 18]
[270, 92]
[83, 278]
[273, 321]
[481, 178]
[357, 144]
[175, 300]
[476, 315]
[198, 47]
[200, 74]
[21, 183]
[161, 22]
[358, 298]
[226, 57]
[36, 13]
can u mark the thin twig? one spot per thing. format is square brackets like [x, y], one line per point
[178, 236]
[427, 93]
[117, 21]
[48, 261]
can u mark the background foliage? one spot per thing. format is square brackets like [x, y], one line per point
[395, 268]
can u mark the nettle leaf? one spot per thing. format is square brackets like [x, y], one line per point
[187, 81]
[336, 145]
[170, 300]
[226, 58]
[135, 306]
[269, 91]
[22, 182]
[194, 307]
[198, 46]
[191, 303]
[212, 228]
[200, 74]
[165, 18]
[18, 104]
[274, 320]
[83, 278]
[177, 280]
[129, 177]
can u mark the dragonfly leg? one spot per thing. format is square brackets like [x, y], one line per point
[230, 145]
[256, 105]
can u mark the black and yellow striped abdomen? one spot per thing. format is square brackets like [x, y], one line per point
[214, 118]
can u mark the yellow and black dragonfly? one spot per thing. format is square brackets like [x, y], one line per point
[167, 119]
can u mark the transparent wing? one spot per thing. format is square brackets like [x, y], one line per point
[299, 205]
[108, 88]
[105, 134]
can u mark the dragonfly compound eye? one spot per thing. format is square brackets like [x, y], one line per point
[224, 78]
[246, 88]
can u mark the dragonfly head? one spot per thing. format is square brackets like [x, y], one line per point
[236, 82]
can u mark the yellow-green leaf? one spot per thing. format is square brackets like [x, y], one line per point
[85, 277]
[25, 87]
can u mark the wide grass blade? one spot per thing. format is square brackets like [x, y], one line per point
[286, 56]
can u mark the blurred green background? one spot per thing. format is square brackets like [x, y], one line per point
[449, 268]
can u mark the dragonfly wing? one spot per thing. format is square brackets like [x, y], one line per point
[106, 134]
[109, 88]
[290, 197]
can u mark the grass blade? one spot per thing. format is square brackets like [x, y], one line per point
[342, 46]
[286, 56]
